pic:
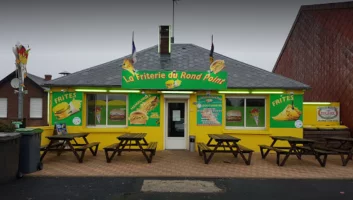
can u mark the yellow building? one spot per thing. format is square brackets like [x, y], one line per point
[173, 92]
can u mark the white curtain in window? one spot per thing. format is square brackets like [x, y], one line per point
[36, 108]
[3, 107]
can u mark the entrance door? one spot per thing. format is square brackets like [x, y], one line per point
[176, 125]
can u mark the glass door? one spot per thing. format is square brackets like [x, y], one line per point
[175, 132]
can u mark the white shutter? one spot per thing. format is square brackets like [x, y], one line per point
[3, 107]
[36, 108]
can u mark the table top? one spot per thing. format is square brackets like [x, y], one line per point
[292, 139]
[339, 139]
[223, 137]
[132, 136]
[68, 136]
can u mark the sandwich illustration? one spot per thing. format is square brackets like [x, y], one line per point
[62, 110]
[138, 117]
[216, 66]
[289, 113]
[117, 115]
[234, 116]
[208, 114]
[127, 65]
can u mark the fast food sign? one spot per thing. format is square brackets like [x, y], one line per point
[67, 108]
[286, 111]
[174, 80]
[209, 110]
[328, 114]
[144, 110]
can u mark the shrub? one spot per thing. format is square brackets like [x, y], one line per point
[7, 127]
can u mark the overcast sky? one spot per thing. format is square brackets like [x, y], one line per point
[73, 35]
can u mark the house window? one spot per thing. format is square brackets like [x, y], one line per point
[106, 110]
[36, 108]
[245, 112]
[3, 107]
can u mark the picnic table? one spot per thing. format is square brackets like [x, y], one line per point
[345, 147]
[229, 144]
[131, 140]
[59, 142]
[294, 148]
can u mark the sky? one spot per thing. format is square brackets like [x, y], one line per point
[78, 34]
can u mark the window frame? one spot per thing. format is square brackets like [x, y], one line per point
[30, 108]
[106, 107]
[245, 105]
[6, 107]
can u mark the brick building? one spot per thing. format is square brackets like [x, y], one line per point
[319, 53]
[35, 101]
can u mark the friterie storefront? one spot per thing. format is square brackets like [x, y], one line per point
[171, 105]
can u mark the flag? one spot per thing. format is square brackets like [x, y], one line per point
[133, 54]
[212, 49]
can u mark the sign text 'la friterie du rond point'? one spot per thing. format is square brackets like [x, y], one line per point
[174, 80]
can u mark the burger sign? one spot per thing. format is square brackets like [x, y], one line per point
[328, 114]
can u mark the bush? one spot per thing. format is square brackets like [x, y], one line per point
[7, 127]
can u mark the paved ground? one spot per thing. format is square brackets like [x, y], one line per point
[118, 188]
[187, 164]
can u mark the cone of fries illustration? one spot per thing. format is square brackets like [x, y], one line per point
[127, 65]
[217, 66]
[170, 84]
[289, 113]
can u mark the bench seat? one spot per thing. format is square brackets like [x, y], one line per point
[89, 146]
[56, 144]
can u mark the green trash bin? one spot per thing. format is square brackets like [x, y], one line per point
[30, 150]
[9, 156]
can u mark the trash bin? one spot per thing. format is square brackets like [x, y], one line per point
[30, 150]
[9, 154]
[192, 143]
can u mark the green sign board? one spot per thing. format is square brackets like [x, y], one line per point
[209, 110]
[144, 110]
[286, 111]
[170, 80]
[101, 112]
[67, 108]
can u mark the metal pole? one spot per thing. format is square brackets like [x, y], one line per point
[173, 18]
[20, 93]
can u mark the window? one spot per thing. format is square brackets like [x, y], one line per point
[36, 108]
[3, 107]
[106, 110]
[245, 112]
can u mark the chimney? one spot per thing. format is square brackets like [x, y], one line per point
[47, 77]
[164, 46]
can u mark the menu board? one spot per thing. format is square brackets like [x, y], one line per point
[286, 111]
[67, 108]
[209, 110]
[144, 109]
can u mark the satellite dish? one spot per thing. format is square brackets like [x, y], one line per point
[15, 83]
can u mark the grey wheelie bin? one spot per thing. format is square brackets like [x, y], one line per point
[30, 150]
[9, 156]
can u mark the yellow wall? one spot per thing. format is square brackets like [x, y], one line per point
[249, 138]
[310, 115]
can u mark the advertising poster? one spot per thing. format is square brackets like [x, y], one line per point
[255, 116]
[328, 114]
[286, 111]
[235, 116]
[209, 110]
[144, 109]
[67, 108]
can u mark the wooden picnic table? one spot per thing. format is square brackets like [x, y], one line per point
[59, 142]
[126, 141]
[344, 148]
[225, 141]
[294, 149]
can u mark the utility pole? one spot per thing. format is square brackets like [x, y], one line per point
[20, 93]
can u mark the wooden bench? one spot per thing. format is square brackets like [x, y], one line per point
[278, 151]
[152, 146]
[56, 144]
[89, 146]
[320, 152]
[246, 150]
[108, 149]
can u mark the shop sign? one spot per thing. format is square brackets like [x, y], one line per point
[174, 80]
[328, 114]
[144, 110]
[209, 110]
[286, 111]
[67, 108]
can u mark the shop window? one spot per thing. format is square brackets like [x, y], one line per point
[106, 110]
[36, 108]
[245, 112]
[3, 107]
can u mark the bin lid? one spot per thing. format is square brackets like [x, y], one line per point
[8, 136]
[29, 131]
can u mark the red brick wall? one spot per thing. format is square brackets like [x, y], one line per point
[6, 91]
[319, 53]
